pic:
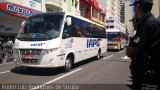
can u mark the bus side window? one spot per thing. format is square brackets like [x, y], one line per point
[76, 31]
[66, 31]
[104, 33]
[85, 32]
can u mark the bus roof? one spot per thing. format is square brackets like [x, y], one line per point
[114, 30]
[83, 18]
[67, 13]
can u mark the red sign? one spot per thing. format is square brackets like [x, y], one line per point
[17, 10]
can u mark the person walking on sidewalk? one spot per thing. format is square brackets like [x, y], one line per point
[4, 51]
[9, 50]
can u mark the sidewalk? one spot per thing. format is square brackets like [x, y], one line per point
[4, 60]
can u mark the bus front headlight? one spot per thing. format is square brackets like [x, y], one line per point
[50, 50]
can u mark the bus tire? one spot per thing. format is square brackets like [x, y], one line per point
[98, 54]
[68, 64]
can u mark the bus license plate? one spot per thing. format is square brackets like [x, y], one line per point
[28, 57]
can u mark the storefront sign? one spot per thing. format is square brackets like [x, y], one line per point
[9, 25]
[20, 10]
[6, 28]
[17, 10]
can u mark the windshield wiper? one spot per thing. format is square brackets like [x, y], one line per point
[47, 35]
[25, 34]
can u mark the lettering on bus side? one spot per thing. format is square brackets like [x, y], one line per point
[92, 43]
[68, 45]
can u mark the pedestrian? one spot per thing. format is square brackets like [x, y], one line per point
[9, 49]
[4, 51]
[1, 41]
[144, 46]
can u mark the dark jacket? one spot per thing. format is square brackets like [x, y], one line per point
[148, 32]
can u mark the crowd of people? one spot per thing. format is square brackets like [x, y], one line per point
[6, 49]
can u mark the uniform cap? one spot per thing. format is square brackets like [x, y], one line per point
[141, 2]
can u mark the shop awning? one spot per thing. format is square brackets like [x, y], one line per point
[95, 4]
[86, 2]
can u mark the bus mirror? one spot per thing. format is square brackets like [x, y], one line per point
[23, 22]
[69, 21]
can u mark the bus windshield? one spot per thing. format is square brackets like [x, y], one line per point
[41, 27]
[113, 35]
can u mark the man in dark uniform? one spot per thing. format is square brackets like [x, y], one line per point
[142, 47]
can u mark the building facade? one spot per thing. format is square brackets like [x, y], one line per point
[116, 24]
[156, 8]
[87, 8]
[113, 9]
[93, 11]
[71, 6]
[122, 13]
[128, 16]
[103, 4]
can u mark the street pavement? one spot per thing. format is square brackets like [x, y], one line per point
[111, 72]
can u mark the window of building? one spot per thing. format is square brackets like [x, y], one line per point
[103, 18]
[83, 11]
[107, 21]
[76, 3]
[38, 1]
[72, 2]
[95, 13]
[111, 26]
[111, 21]
[49, 9]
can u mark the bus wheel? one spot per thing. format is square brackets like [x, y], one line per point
[98, 55]
[68, 64]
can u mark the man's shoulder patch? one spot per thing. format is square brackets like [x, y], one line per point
[136, 40]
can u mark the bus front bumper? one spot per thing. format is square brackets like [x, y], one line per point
[113, 47]
[49, 60]
[38, 66]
